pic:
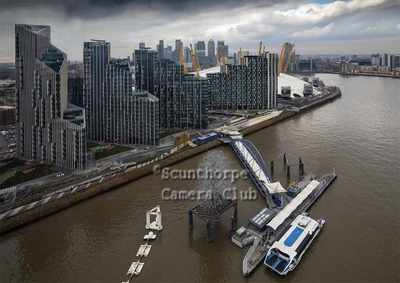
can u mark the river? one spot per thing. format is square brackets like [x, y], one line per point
[358, 135]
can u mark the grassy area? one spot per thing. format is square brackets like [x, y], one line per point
[108, 150]
[27, 175]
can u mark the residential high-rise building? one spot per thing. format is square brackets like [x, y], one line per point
[96, 56]
[147, 119]
[253, 85]
[167, 83]
[75, 91]
[132, 116]
[183, 99]
[49, 129]
[192, 103]
[145, 60]
[113, 106]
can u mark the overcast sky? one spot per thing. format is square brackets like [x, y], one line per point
[316, 27]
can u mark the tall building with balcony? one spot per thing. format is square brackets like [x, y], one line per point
[132, 117]
[114, 108]
[183, 99]
[145, 60]
[192, 103]
[96, 56]
[252, 85]
[167, 83]
[49, 129]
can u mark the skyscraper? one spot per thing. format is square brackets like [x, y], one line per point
[167, 82]
[132, 116]
[222, 52]
[253, 85]
[211, 52]
[287, 59]
[192, 103]
[200, 48]
[145, 60]
[48, 128]
[114, 109]
[183, 99]
[178, 49]
[160, 49]
[211, 48]
[96, 56]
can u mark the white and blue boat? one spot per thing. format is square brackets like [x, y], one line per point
[285, 254]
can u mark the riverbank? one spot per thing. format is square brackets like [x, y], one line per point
[28, 213]
[360, 74]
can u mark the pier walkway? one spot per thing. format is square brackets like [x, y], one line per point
[252, 160]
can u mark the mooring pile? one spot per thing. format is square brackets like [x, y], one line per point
[144, 249]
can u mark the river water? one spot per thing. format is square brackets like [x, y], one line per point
[358, 135]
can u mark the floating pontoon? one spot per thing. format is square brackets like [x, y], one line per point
[156, 224]
[144, 250]
[136, 268]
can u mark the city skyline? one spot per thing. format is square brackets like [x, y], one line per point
[317, 27]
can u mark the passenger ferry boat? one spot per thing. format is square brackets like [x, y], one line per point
[285, 254]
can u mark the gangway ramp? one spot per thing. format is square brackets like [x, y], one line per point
[253, 161]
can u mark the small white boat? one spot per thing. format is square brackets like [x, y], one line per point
[285, 254]
[254, 256]
[150, 236]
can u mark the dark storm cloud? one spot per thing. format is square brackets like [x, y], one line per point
[317, 26]
[101, 8]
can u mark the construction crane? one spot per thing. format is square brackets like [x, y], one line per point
[195, 61]
[182, 60]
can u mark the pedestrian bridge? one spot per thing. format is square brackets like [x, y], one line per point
[252, 160]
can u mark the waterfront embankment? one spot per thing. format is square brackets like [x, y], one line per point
[28, 213]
